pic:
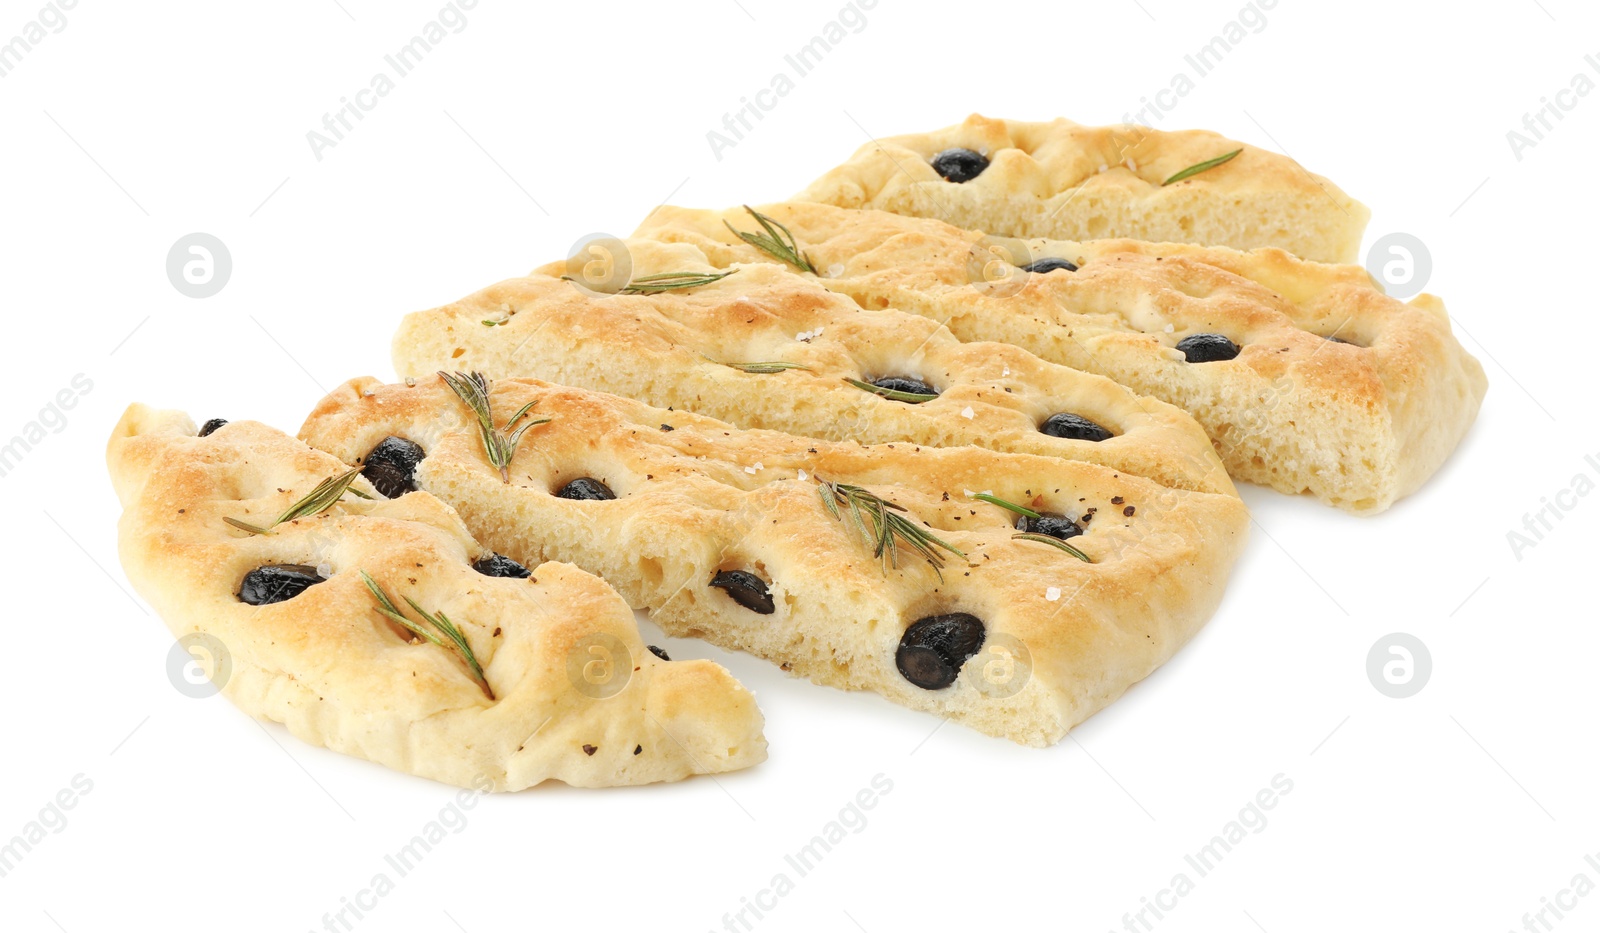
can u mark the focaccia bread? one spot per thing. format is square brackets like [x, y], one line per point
[726, 534]
[567, 691]
[1064, 181]
[694, 349]
[1307, 377]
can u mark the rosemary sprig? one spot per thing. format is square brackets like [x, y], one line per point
[915, 398]
[776, 242]
[498, 445]
[1199, 167]
[319, 499]
[1055, 543]
[996, 500]
[439, 621]
[761, 369]
[671, 281]
[878, 521]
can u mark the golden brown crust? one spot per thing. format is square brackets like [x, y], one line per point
[665, 349]
[338, 674]
[1357, 425]
[1069, 182]
[706, 497]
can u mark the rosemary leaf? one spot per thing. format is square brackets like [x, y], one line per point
[996, 500]
[776, 242]
[915, 398]
[1055, 543]
[1199, 167]
[882, 525]
[458, 641]
[763, 368]
[670, 281]
[473, 389]
[319, 499]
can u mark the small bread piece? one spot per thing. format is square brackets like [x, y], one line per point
[1064, 181]
[1357, 421]
[724, 534]
[670, 349]
[326, 664]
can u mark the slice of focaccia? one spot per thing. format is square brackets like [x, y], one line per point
[1070, 182]
[548, 680]
[1305, 375]
[875, 568]
[762, 348]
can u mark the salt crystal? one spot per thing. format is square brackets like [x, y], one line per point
[752, 469]
[802, 475]
[1053, 593]
[1167, 329]
[836, 270]
[967, 412]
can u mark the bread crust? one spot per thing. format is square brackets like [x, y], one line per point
[668, 350]
[707, 497]
[1066, 181]
[337, 674]
[1357, 425]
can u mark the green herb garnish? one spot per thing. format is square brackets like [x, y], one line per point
[776, 242]
[438, 620]
[672, 281]
[320, 499]
[491, 323]
[996, 500]
[1055, 543]
[879, 522]
[761, 369]
[915, 398]
[499, 446]
[1197, 168]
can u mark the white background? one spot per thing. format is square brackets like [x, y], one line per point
[1457, 809]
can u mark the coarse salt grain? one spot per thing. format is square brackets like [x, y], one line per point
[1168, 328]
[802, 475]
[967, 412]
[1053, 593]
[836, 270]
[752, 469]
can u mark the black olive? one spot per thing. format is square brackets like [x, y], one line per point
[1050, 264]
[959, 165]
[211, 425]
[933, 649]
[1056, 526]
[275, 583]
[585, 489]
[746, 589]
[499, 565]
[658, 652]
[1074, 427]
[1208, 348]
[391, 467]
[904, 384]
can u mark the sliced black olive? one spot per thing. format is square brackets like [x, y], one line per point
[746, 589]
[1208, 348]
[211, 425]
[499, 565]
[959, 165]
[933, 649]
[586, 489]
[391, 467]
[1050, 264]
[275, 583]
[658, 652]
[904, 384]
[1056, 526]
[1074, 427]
